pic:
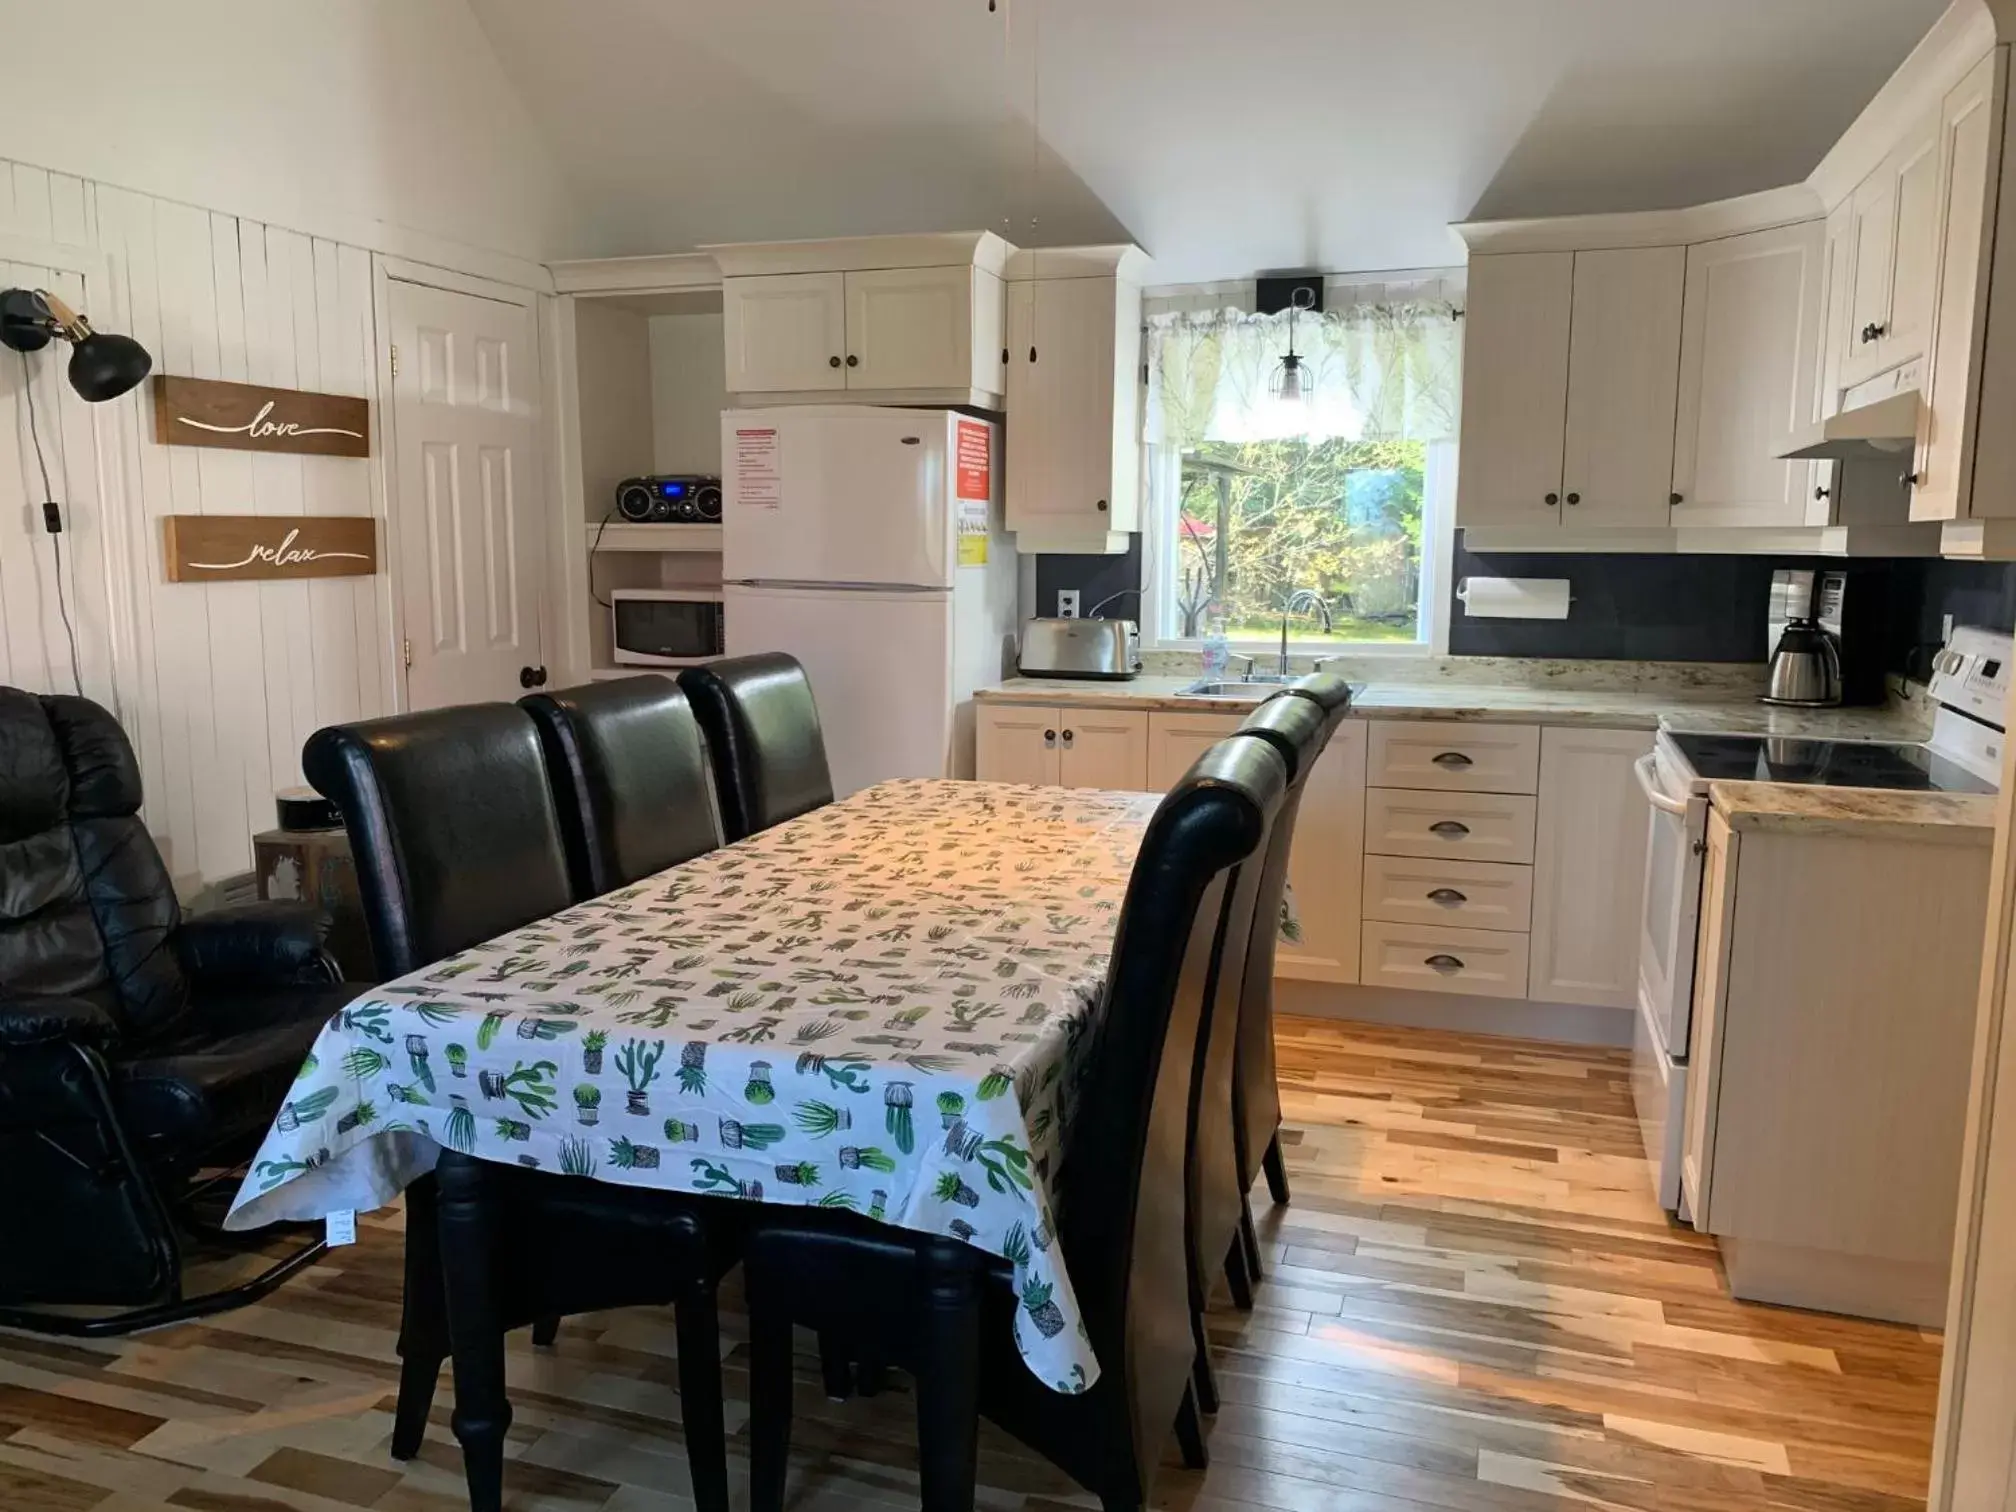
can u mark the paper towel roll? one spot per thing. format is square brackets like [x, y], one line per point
[1514, 598]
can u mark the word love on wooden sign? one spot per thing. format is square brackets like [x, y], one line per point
[205, 412]
[246, 548]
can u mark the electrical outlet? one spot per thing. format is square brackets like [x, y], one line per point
[1067, 603]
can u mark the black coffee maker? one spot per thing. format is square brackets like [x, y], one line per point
[1844, 609]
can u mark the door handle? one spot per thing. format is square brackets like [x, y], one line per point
[1449, 829]
[531, 677]
[1444, 962]
[1448, 897]
[1455, 760]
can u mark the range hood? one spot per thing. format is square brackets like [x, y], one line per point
[1874, 431]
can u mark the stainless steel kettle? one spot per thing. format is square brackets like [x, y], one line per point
[1805, 667]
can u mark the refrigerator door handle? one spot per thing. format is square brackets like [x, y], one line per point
[832, 587]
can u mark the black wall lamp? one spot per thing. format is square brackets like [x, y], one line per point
[102, 366]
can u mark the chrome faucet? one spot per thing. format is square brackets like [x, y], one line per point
[1301, 601]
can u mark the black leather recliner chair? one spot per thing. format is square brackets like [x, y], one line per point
[137, 1048]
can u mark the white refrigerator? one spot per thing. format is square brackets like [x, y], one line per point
[867, 542]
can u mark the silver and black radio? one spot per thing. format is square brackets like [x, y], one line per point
[671, 499]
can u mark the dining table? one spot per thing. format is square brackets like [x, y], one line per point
[886, 1005]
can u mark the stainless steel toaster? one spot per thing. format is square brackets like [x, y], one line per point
[1108, 648]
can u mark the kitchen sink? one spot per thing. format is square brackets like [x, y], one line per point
[1233, 687]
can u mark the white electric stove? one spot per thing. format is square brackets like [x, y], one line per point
[1970, 684]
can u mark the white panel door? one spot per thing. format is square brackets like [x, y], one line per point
[466, 501]
[1515, 388]
[881, 672]
[785, 333]
[1623, 380]
[910, 328]
[859, 496]
[1747, 359]
[1589, 867]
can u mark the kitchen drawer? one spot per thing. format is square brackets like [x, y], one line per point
[1439, 892]
[1454, 756]
[1487, 962]
[1461, 826]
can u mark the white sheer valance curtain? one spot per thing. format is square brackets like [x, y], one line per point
[1384, 369]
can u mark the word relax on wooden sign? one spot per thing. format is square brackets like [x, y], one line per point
[207, 412]
[245, 548]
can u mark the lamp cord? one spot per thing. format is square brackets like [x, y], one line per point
[55, 537]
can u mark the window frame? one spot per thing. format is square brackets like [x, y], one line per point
[1161, 504]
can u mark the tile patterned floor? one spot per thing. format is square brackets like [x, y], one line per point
[1472, 1303]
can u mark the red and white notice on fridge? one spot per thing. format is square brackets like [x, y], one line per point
[759, 468]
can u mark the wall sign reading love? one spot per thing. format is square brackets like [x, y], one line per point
[243, 548]
[205, 412]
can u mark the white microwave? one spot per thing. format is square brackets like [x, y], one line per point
[666, 627]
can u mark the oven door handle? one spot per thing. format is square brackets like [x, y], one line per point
[1643, 767]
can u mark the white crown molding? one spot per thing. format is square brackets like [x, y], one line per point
[1645, 228]
[669, 273]
[1123, 261]
[1958, 40]
[853, 254]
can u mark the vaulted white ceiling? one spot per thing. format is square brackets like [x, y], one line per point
[1225, 138]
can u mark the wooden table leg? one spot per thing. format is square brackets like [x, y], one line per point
[475, 1327]
[948, 1383]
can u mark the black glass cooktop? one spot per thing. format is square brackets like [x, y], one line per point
[1829, 763]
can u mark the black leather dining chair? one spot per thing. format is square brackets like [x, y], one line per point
[629, 776]
[138, 1047]
[944, 1310]
[762, 728]
[456, 838]
[1299, 723]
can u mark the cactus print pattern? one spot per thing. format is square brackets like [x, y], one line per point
[880, 1006]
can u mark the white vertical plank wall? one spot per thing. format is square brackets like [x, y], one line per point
[217, 684]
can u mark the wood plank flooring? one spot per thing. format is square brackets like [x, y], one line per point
[1472, 1303]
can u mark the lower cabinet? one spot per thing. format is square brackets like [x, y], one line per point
[1062, 747]
[1588, 867]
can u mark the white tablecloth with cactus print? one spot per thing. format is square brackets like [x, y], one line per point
[877, 1006]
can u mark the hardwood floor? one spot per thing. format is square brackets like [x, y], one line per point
[1473, 1303]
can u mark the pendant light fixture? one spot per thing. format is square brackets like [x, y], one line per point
[1293, 382]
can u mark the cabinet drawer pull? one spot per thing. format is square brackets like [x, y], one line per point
[1448, 897]
[1455, 760]
[1444, 962]
[1449, 829]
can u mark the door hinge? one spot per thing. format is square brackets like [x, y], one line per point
[406, 650]
[395, 374]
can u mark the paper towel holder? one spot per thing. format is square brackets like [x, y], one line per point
[1463, 593]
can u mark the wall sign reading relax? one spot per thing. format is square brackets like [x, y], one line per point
[242, 548]
[206, 412]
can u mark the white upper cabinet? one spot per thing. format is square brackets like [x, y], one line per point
[1515, 389]
[1570, 362]
[785, 331]
[1623, 375]
[1074, 402]
[1748, 349]
[895, 319]
[1970, 166]
[1894, 218]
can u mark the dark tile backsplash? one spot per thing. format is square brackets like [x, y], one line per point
[1637, 608]
[1625, 608]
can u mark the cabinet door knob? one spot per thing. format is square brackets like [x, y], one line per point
[852, 360]
[1676, 498]
[1049, 737]
[1553, 499]
[1449, 829]
[1873, 332]
[1100, 506]
[1823, 493]
[1032, 354]
[832, 362]
[1909, 480]
[1448, 897]
[1574, 498]
[1455, 760]
[1444, 962]
[1004, 356]
[1067, 736]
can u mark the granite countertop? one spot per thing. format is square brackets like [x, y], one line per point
[1857, 813]
[1680, 705]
